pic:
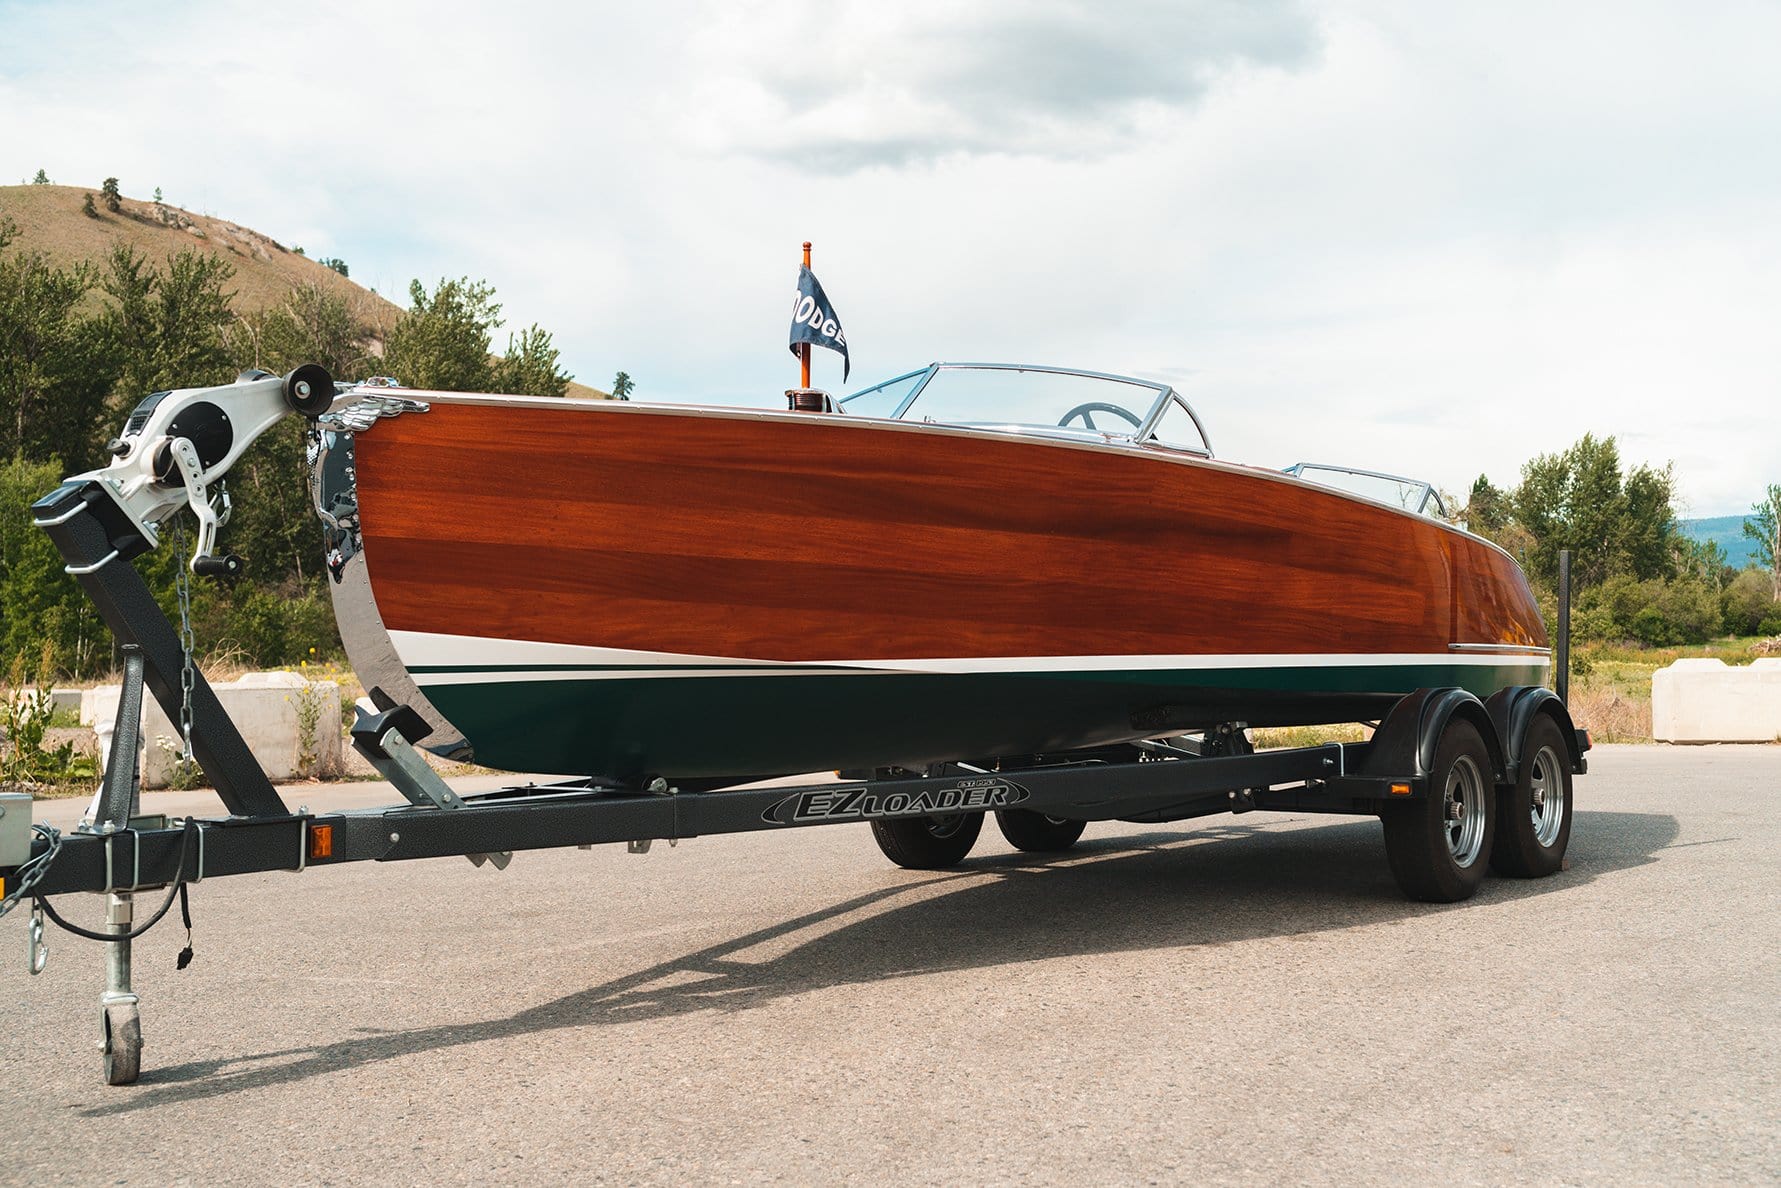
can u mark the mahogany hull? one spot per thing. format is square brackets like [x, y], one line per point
[620, 589]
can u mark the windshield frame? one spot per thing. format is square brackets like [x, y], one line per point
[1422, 487]
[1144, 434]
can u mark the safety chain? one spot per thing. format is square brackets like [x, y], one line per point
[30, 874]
[182, 583]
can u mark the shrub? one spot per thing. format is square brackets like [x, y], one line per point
[1746, 602]
[1683, 611]
[40, 606]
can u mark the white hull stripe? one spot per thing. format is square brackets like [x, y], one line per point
[437, 659]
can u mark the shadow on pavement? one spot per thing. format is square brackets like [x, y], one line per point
[1216, 885]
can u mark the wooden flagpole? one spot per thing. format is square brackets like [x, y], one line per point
[804, 347]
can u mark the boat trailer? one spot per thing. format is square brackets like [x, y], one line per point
[1448, 774]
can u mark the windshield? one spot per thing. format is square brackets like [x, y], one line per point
[883, 400]
[1412, 495]
[1028, 399]
[1019, 396]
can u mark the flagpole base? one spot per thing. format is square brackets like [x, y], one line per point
[810, 400]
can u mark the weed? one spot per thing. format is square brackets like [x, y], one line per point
[182, 774]
[28, 712]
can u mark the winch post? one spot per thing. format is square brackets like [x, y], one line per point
[74, 517]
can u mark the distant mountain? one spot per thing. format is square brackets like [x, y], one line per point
[51, 220]
[1740, 550]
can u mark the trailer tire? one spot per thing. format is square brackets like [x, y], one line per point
[123, 1044]
[928, 843]
[1534, 818]
[1037, 833]
[1439, 845]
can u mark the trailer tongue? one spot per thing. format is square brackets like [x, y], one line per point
[1461, 784]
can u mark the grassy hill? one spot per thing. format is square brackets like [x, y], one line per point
[51, 220]
[1740, 550]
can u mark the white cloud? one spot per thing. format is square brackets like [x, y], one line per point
[844, 86]
[1433, 239]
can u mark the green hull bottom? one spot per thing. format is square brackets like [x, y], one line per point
[718, 726]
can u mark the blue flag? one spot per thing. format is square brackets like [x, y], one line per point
[814, 320]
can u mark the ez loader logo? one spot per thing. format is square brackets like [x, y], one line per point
[857, 804]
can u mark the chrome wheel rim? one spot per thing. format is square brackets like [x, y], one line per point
[1546, 797]
[1464, 809]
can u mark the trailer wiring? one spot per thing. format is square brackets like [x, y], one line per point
[40, 867]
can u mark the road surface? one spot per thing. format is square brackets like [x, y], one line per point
[1245, 1001]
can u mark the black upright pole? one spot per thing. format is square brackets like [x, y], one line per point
[97, 540]
[1562, 679]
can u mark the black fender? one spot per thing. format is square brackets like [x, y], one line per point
[1404, 745]
[1512, 710]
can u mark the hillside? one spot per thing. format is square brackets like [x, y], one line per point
[1740, 550]
[51, 220]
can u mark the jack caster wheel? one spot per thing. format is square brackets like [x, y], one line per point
[928, 843]
[1037, 833]
[1439, 846]
[123, 1044]
[1534, 821]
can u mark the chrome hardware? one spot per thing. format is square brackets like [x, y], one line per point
[36, 950]
[366, 411]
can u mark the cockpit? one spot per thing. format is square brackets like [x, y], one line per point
[1061, 402]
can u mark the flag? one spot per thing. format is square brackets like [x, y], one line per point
[814, 320]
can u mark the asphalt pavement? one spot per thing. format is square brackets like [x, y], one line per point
[1246, 1001]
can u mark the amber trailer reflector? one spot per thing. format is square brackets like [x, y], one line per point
[1400, 789]
[321, 842]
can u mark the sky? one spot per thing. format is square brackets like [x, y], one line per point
[1427, 239]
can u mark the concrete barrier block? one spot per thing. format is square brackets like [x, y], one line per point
[1707, 701]
[291, 725]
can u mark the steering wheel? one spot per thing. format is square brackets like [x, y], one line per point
[1087, 411]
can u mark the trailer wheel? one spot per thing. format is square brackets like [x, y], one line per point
[1037, 833]
[123, 1044]
[1439, 846]
[928, 843]
[1534, 820]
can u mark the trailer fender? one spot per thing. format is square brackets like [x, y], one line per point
[1404, 745]
[1512, 711]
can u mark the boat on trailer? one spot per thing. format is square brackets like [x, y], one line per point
[967, 561]
[998, 589]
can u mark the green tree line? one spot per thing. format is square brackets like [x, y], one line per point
[1635, 575]
[80, 345]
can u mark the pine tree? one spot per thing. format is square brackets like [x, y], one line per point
[42, 179]
[622, 386]
[442, 342]
[112, 197]
[530, 366]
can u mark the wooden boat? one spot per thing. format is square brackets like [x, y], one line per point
[968, 561]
